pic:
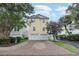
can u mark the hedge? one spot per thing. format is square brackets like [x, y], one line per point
[61, 37]
[73, 37]
[12, 40]
[4, 41]
[19, 39]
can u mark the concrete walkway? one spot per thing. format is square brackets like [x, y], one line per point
[36, 48]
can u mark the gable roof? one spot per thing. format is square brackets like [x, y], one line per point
[38, 16]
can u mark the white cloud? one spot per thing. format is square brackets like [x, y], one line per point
[61, 8]
[42, 8]
[45, 13]
[54, 15]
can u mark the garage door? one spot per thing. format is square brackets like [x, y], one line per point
[38, 37]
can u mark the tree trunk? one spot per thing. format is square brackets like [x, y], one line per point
[54, 37]
[67, 30]
[5, 32]
[16, 41]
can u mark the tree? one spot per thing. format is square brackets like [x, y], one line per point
[11, 17]
[65, 21]
[53, 28]
[74, 12]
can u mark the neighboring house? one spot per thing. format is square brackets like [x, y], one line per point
[21, 33]
[71, 28]
[37, 29]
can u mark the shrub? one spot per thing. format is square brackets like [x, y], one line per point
[61, 36]
[4, 41]
[73, 37]
[23, 39]
[12, 39]
[50, 38]
[19, 39]
[26, 37]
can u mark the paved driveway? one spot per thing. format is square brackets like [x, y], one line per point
[35, 48]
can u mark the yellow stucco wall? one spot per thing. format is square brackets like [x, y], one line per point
[38, 24]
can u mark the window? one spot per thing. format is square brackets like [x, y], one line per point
[33, 28]
[43, 21]
[43, 29]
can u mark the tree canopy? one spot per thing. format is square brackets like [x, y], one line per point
[53, 28]
[11, 16]
[74, 12]
[64, 21]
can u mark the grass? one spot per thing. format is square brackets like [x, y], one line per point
[67, 46]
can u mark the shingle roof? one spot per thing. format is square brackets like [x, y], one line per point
[38, 16]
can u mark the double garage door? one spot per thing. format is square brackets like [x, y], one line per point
[38, 37]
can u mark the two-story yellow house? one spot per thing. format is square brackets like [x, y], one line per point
[37, 30]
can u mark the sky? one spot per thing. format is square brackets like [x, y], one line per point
[52, 10]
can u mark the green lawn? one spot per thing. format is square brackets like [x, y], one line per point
[67, 46]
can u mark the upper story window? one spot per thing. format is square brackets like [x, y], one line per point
[43, 29]
[34, 28]
[43, 21]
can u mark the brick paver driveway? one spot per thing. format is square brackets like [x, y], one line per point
[35, 48]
